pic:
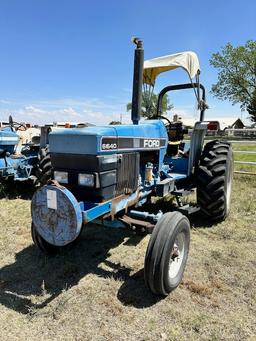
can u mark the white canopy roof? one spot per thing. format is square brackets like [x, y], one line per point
[186, 60]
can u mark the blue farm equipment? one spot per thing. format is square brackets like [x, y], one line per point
[24, 151]
[14, 164]
[106, 174]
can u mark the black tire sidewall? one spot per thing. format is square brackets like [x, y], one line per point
[212, 183]
[183, 226]
[48, 248]
[148, 265]
[156, 266]
[45, 171]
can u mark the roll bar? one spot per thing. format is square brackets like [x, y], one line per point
[180, 87]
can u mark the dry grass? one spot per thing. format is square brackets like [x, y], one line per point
[96, 291]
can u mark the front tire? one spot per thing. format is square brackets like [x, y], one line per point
[42, 244]
[214, 180]
[167, 253]
[48, 248]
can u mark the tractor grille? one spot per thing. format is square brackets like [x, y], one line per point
[118, 174]
[127, 173]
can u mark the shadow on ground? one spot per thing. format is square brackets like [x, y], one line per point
[198, 220]
[14, 190]
[23, 279]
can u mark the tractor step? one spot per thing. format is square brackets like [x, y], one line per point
[188, 209]
[182, 192]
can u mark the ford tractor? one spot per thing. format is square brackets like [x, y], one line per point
[107, 174]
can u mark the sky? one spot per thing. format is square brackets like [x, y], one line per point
[63, 60]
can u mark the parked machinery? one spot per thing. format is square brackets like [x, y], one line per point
[106, 174]
[19, 147]
[24, 150]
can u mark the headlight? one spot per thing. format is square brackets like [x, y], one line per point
[61, 177]
[86, 180]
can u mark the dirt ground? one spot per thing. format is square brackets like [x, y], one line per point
[96, 290]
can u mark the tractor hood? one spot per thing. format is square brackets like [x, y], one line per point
[109, 139]
[8, 140]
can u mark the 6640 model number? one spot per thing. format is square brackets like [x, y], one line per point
[108, 146]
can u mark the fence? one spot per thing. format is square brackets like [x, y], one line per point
[252, 163]
[246, 132]
[251, 152]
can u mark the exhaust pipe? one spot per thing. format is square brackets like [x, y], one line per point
[137, 80]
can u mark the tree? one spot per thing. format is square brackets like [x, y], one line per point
[236, 75]
[149, 104]
[115, 123]
[251, 108]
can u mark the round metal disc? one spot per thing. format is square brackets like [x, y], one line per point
[56, 215]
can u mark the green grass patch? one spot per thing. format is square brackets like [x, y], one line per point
[245, 157]
[245, 168]
[244, 146]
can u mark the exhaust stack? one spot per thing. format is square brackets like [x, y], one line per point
[137, 80]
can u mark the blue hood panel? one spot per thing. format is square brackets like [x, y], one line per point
[8, 139]
[109, 139]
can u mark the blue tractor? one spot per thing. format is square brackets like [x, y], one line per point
[24, 152]
[16, 165]
[106, 174]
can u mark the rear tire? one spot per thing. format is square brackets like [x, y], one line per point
[214, 180]
[44, 173]
[167, 253]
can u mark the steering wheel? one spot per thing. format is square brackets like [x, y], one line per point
[165, 118]
[16, 125]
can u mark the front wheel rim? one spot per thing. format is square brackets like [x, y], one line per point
[177, 256]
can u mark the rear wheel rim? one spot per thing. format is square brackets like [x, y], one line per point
[228, 195]
[177, 256]
[229, 188]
